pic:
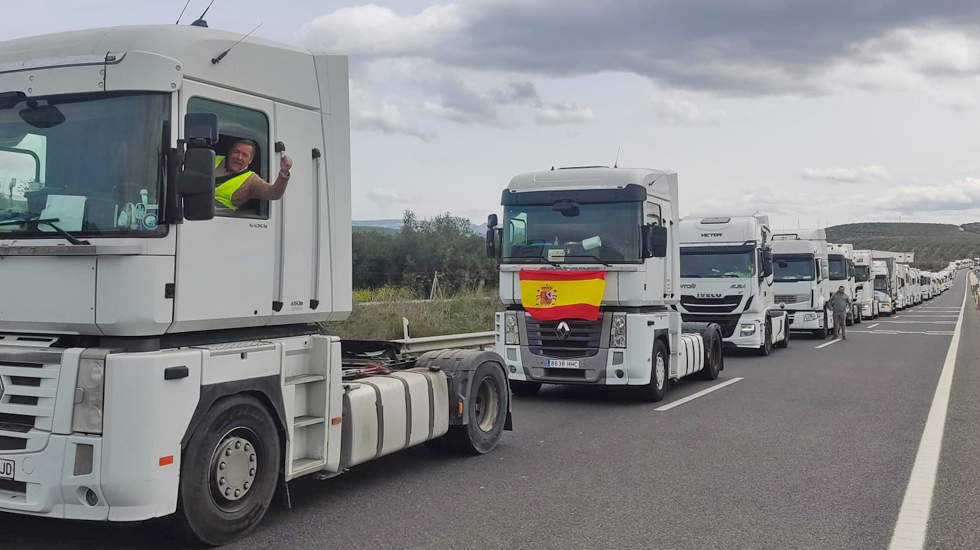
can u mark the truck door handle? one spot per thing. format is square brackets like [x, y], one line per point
[175, 373]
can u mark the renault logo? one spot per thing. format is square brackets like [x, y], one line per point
[563, 330]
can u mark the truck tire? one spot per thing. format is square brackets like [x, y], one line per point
[784, 343]
[714, 360]
[520, 387]
[486, 410]
[229, 471]
[766, 347]
[659, 372]
[849, 319]
[826, 325]
[858, 317]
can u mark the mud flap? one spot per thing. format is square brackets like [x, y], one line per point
[459, 366]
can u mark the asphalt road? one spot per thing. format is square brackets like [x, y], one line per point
[811, 449]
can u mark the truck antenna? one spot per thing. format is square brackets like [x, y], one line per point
[222, 55]
[200, 22]
[619, 150]
[182, 12]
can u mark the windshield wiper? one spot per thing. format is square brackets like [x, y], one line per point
[50, 222]
[596, 258]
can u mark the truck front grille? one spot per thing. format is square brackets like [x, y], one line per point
[724, 304]
[27, 394]
[792, 298]
[582, 340]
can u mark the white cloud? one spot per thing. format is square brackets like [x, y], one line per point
[391, 196]
[562, 113]
[861, 174]
[385, 117]
[680, 111]
[959, 195]
[379, 31]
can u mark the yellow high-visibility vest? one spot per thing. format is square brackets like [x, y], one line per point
[225, 189]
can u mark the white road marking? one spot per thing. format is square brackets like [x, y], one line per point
[834, 341]
[887, 331]
[923, 322]
[694, 396]
[913, 517]
[874, 325]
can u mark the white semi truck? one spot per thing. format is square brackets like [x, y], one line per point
[154, 350]
[802, 279]
[727, 278]
[864, 291]
[840, 261]
[883, 289]
[589, 275]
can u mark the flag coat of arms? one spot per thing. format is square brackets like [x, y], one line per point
[549, 295]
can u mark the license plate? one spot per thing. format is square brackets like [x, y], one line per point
[562, 364]
[6, 469]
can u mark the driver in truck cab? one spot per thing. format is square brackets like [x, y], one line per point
[235, 184]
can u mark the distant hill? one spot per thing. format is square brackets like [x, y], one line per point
[934, 244]
[393, 225]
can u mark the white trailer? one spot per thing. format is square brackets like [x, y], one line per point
[154, 350]
[620, 225]
[802, 279]
[864, 290]
[727, 278]
[840, 261]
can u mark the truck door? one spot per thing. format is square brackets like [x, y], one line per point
[226, 266]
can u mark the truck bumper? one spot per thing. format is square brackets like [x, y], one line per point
[806, 320]
[752, 340]
[867, 310]
[59, 481]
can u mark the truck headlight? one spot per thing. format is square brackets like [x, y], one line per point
[747, 329]
[512, 333]
[617, 331]
[89, 389]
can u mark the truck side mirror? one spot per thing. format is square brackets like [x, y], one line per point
[201, 129]
[492, 236]
[654, 241]
[767, 267]
[195, 184]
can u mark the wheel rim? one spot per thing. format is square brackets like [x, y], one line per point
[233, 469]
[487, 404]
[660, 371]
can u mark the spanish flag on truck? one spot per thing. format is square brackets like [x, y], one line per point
[549, 295]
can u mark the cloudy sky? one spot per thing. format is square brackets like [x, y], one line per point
[814, 112]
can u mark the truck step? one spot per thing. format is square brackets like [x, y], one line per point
[303, 421]
[301, 465]
[304, 379]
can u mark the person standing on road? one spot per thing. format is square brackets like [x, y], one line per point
[839, 304]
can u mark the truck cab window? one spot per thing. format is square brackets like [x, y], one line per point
[236, 123]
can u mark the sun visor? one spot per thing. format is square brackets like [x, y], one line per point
[627, 193]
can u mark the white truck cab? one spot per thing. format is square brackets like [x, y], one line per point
[727, 278]
[864, 291]
[883, 289]
[802, 279]
[603, 240]
[156, 348]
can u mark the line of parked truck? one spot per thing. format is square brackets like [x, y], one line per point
[678, 291]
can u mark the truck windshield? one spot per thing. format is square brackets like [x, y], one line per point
[862, 273]
[585, 233]
[881, 283]
[92, 164]
[714, 262]
[838, 271]
[792, 268]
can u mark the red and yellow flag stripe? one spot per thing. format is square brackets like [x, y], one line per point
[549, 295]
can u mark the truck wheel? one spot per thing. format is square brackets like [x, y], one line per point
[784, 343]
[524, 388]
[849, 320]
[714, 359]
[826, 325]
[486, 410]
[766, 347]
[228, 473]
[858, 317]
[660, 370]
